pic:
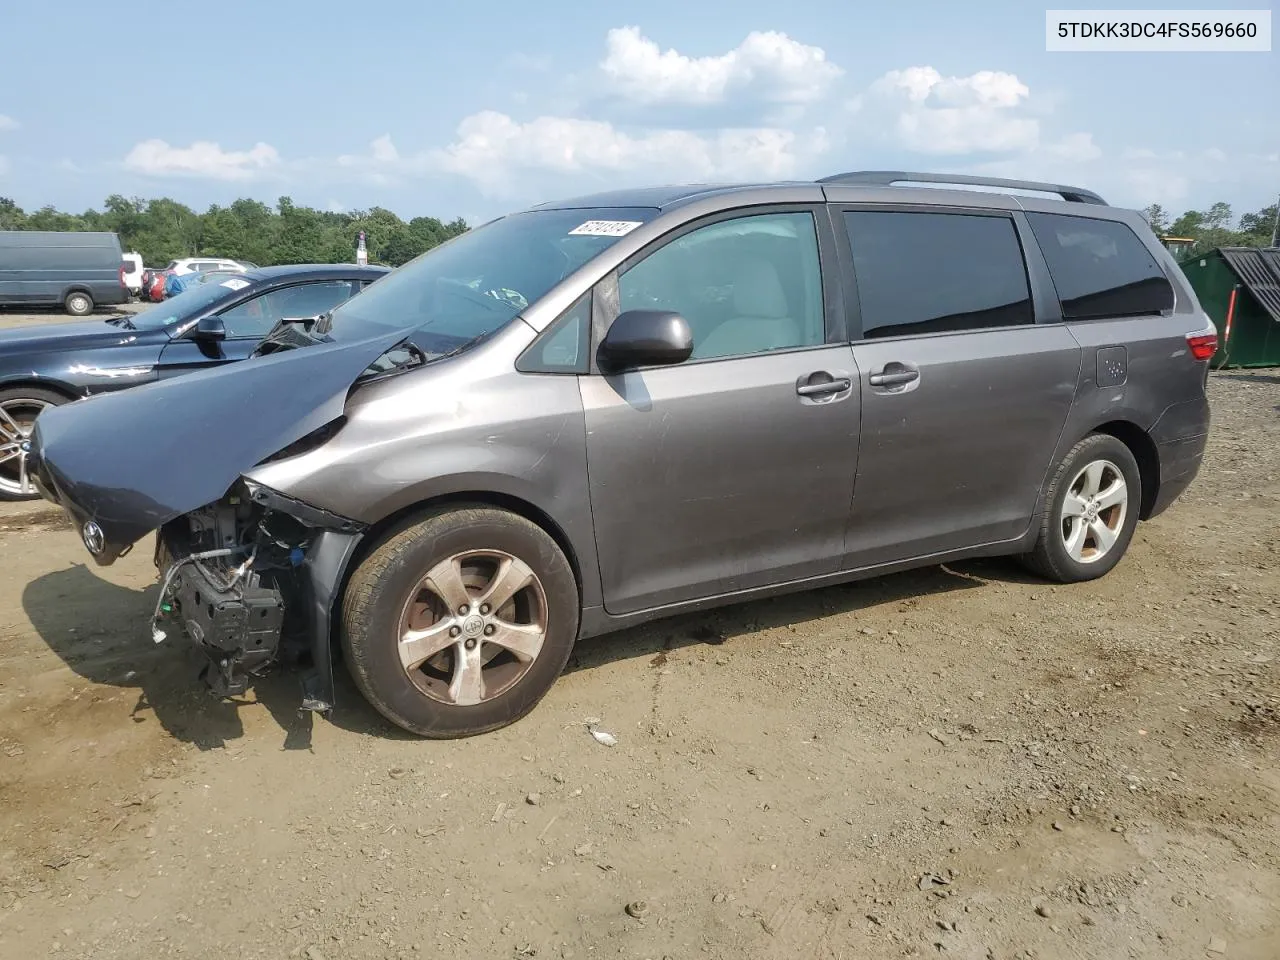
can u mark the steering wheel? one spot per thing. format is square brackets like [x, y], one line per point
[464, 292]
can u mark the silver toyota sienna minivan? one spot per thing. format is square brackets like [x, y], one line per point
[597, 412]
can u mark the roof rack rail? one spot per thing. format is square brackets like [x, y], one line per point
[886, 178]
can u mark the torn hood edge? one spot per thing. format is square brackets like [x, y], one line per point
[133, 460]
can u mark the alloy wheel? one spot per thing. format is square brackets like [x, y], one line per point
[472, 627]
[17, 417]
[1093, 511]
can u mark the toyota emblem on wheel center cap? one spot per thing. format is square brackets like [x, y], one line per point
[93, 537]
[473, 626]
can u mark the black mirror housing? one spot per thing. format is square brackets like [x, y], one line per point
[646, 338]
[210, 328]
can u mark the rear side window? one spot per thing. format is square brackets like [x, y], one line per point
[1100, 268]
[924, 273]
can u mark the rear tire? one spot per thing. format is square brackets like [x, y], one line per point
[78, 303]
[1091, 512]
[421, 595]
[19, 406]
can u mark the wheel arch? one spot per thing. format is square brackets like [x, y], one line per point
[407, 515]
[1144, 452]
[41, 383]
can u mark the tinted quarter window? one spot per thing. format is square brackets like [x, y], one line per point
[936, 272]
[745, 286]
[562, 348]
[1100, 268]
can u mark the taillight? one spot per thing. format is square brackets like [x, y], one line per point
[1203, 345]
[123, 270]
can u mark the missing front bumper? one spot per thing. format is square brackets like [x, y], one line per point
[237, 621]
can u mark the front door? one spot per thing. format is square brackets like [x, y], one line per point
[733, 470]
[964, 395]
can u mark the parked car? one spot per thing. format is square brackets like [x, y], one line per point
[209, 325]
[598, 412]
[153, 281]
[74, 269]
[199, 264]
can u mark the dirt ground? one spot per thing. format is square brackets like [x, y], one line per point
[962, 760]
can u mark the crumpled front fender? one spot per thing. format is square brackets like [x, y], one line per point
[131, 461]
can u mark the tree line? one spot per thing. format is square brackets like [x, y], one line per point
[163, 230]
[1216, 227]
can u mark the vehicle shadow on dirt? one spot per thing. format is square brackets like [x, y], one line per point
[1266, 378]
[722, 625]
[102, 632]
[115, 648]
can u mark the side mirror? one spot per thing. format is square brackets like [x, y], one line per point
[646, 338]
[210, 328]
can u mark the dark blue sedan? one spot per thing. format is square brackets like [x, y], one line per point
[208, 324]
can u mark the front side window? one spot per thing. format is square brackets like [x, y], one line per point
[921, 273]
[1100, 268]
[745, 286]
[479, 281]
[255, 318]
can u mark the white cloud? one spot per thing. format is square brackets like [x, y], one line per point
[1074, 148]
[771, 65]
[8, 123]
[67, 165]
[956, 115]
[384, 151]
[202, 159]
[495, 151]
[335, 207]
[1174, 177]
[383, 164]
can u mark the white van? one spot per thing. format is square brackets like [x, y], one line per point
[133, 272]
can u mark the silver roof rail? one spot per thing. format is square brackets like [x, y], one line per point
[887, 178]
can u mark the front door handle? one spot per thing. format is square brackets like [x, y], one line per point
[894, 375]
[838, 385]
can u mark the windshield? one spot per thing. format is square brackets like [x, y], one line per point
[195, 299]
[478, 282]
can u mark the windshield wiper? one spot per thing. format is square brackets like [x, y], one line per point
[390, 363]
[465, 345]
[121, 320]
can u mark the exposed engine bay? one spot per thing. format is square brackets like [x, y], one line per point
[233, 582]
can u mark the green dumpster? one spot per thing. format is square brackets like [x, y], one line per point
[1239, 287]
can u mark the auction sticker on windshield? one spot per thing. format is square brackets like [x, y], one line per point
[235, 283]
[605, 228]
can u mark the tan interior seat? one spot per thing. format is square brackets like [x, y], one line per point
[761, 320]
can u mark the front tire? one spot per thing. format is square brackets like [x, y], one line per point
[460, 623]
[78, 303]
[1092, 505]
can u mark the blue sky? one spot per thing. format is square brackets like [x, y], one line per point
[470, 109]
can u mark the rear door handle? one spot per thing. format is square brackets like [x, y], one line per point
[894, 378]
[838, 385]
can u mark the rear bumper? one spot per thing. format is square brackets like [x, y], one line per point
[1181, 435]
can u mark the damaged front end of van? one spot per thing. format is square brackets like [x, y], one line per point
[248, 574]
